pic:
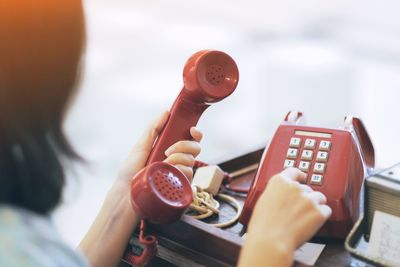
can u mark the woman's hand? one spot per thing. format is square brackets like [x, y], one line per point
[286, 215]
[106, 239]
[181, 154]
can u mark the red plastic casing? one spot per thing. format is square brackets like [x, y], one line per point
[342, 179]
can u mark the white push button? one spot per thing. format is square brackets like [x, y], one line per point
[304, 166]
[322, 156]
[319, 167]
[309, 143]
[307, 155]
[295, 142]
[325, 145]
[316, 179]
[289, 163]
[292, 153]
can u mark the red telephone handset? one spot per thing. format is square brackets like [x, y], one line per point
[160, 192]
[208, 76]
[336, 162]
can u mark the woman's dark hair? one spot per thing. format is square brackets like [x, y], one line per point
[41, 42]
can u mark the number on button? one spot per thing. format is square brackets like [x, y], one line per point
[288, 163]
[310, 143]
[316, 179]
[292, 153]
[304, 166]
[319, 167]
[322, 156]
[307, 154]
[295, 142]
[325, 145]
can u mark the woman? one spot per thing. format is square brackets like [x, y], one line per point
[41, 42]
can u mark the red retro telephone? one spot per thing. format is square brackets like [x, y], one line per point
[336, 162]
[160, 192]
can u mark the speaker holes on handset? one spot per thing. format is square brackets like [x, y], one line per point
[215, 74]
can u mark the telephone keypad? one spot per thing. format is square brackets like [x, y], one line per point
[292, 153]
[319, 167]
[295, 142]
[303, 158]
[325, 145]
[304, 166]
[316, 179]
[307, 154]
[289, 163]
[310, 143]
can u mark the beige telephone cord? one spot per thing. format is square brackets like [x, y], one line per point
[205, 206]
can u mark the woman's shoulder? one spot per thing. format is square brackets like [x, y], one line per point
[28, 239]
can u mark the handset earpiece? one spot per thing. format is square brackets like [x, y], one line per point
[209, 76]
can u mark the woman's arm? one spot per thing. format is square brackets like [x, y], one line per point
[286, 215]
[106, 240]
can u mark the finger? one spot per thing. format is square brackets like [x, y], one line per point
[317, 197]
[181, 159]
[305, 188]
[196, 134]
[186, 170]
[325, 210]
[146, 142]
[294, 175]
[189, 147]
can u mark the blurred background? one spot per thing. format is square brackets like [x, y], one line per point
[325, 58]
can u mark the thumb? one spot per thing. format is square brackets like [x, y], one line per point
[146, 141]
[138, 156]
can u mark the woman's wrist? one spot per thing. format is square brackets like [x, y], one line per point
[109, 234]
[266, 251]
[118, 203]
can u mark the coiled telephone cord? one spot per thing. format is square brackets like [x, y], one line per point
[204, 205]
